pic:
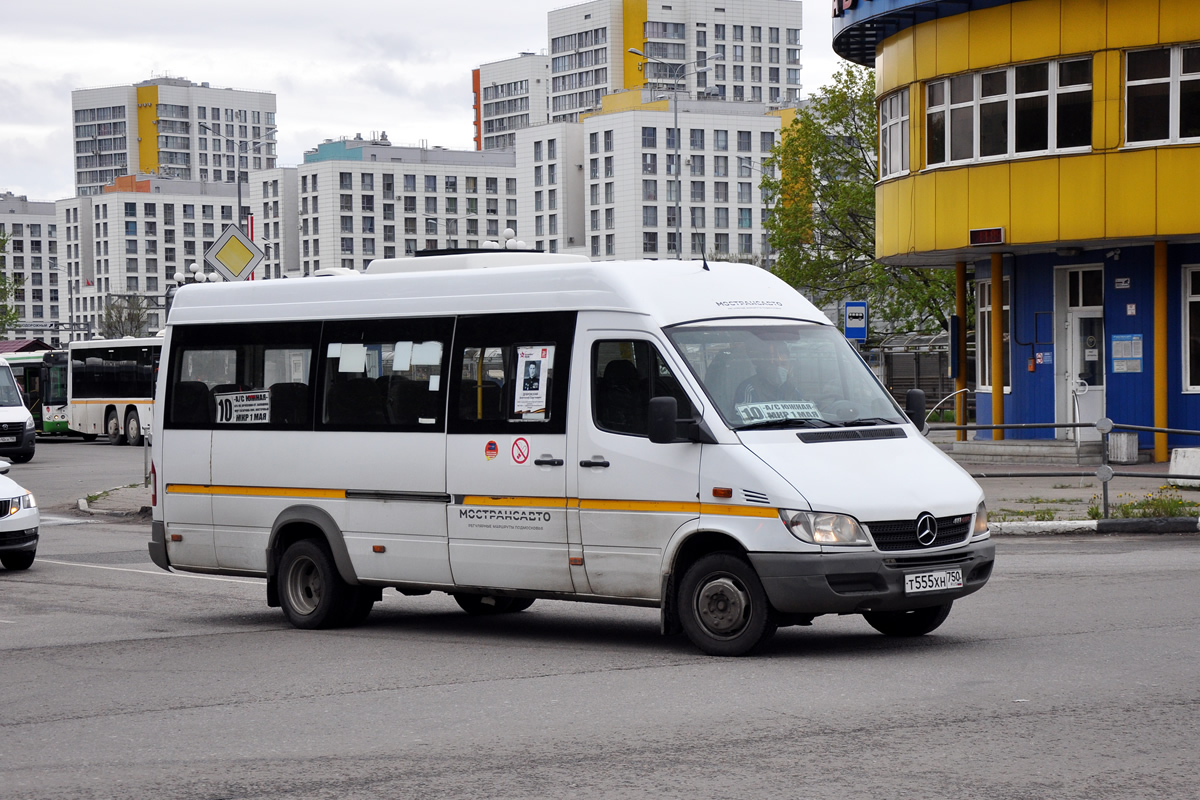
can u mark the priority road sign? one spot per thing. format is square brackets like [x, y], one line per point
[233, 254]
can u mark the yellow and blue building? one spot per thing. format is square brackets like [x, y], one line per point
[1049, 149]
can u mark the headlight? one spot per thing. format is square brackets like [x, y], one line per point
[981, 523]
[29, 424]
[18, 503]
[820, 528]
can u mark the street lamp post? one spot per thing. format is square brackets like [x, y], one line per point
[70, 326]
[678, 73]
[254, 144]
[193, 271]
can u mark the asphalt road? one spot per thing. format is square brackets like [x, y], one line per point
[65, 469]
[1072, 675]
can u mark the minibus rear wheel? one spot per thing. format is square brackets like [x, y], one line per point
[723, 607]
[311, 592]
[917, 622]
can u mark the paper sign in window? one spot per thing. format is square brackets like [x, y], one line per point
[402, 357]
[533, 366]
[427, 354]
[353, 358]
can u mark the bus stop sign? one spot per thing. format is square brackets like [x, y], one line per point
[856, 320]
[233, 254]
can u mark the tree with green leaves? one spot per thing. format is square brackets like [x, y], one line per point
[125, 316]
[9, 314]
[820, 181]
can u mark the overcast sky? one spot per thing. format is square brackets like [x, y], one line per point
[336, 68]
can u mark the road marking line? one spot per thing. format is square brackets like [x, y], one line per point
[146, 571]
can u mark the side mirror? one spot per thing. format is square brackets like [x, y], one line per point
[914, 407]
[661, 427]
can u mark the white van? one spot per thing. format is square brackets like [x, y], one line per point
[18, 437]
[511, 426]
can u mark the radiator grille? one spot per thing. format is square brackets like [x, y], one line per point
[894, 535]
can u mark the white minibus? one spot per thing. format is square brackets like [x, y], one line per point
[511, 426]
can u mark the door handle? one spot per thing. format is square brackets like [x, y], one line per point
[548, 462]
[593, 463]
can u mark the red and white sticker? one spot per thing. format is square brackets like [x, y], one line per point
[491, 450]
[520, 451]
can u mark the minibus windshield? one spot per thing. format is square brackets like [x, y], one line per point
[10, 395]
[766, 374]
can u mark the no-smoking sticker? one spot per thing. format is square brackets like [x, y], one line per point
[520, 451]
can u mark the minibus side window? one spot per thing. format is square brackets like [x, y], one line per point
[625, 375]
[385, 375]
[510, 371]
[241, 376]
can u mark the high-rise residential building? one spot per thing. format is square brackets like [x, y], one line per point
[752, 46]
[362, 199]
[170, 127]
[550, 183]
[275, 192]
[30, 264]
[131, 239]
[510, 95]
[653, 190]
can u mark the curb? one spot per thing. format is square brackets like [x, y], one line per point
[1154, 525]
[104, 512]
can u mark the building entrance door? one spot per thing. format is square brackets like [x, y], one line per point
[1082, 358]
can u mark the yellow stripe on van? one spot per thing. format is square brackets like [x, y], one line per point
[256, 491]
[645, 506]
[524, 502]
[639, 505]
[739, 511]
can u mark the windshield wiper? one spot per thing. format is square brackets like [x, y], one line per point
[864, 421]
[788, 422]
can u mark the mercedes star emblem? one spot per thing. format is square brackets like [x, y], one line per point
[926, 529]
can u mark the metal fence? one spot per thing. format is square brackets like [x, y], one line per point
[1104, 472]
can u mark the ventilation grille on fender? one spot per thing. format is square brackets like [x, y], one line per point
[755, 497]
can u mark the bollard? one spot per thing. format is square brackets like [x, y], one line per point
[146, 455]
[1105, 473]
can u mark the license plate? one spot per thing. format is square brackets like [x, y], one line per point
[8, 440]
[933, 581]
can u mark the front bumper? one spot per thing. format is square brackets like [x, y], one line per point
[19, 540]
[24, 445]
[851, 583]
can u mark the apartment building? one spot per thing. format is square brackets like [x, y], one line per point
[510, 95]
[30, 264]
[132, 239]
[551, 183]
[653, 189]
[752, 46]
[273, 202]
[362, 199]
[171, 127]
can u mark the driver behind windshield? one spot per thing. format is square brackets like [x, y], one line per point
[770, 381]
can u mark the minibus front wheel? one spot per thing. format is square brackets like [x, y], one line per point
[723, 608]
[916, 622]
